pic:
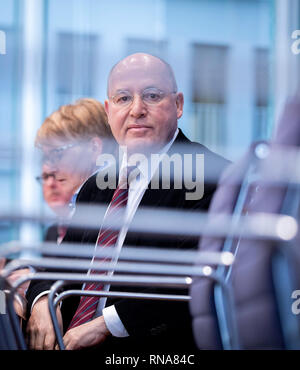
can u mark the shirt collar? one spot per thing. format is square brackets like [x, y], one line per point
[146, 167]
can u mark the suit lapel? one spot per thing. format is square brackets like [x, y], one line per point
[159, 197]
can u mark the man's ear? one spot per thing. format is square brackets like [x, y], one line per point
[179, 104]
[106, 106]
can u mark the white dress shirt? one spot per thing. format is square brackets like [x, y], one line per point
[136, 191]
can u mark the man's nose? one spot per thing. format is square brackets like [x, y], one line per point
[138, 107]
[50, 181]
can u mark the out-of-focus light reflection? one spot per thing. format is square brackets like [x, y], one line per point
[207, 270]
[188, 280]
[286, 228]
[227, 258]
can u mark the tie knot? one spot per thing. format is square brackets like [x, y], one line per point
[132, 173]
[129, 174]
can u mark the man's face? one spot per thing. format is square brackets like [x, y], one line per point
[141, 126]
[58, 189]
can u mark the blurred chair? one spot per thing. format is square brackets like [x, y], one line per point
[10, 331]
[174, 270]
[262, 184]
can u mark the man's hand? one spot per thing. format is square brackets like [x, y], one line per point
[86, 335]
[17, 274]
[39, 328]
[20, 302]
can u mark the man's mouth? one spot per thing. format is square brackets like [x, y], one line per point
[138, 127]
[54, 195]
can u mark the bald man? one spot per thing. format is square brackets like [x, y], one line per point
[138, 124]
[143, 109]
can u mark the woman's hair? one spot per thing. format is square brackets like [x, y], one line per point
[83, 120]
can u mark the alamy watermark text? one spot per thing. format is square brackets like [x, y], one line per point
[2, 42]
[296, 44]
[176, 171]
[2, 303]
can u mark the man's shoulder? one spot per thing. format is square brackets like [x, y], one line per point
[212, 160]
[90, 191]
[212, 157]
[88, 186]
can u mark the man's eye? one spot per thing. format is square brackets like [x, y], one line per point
[61, 180]
[123, 99]
[151, 96]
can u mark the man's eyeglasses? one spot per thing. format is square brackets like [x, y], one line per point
[56, 154]
[45, 176]
[149, 96]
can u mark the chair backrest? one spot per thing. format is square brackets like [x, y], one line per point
[7, 337]
[255, 275]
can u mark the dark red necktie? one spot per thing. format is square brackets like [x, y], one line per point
[107, 237]
[61, 231]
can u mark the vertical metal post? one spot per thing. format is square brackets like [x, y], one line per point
[31, 118]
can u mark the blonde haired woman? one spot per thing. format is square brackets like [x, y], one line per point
[74, 136]
[71, 139]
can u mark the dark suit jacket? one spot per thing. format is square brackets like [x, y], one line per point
[51, 233]
[158, 325]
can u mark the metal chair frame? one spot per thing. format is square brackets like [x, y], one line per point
[128, 280]
[231, 244]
